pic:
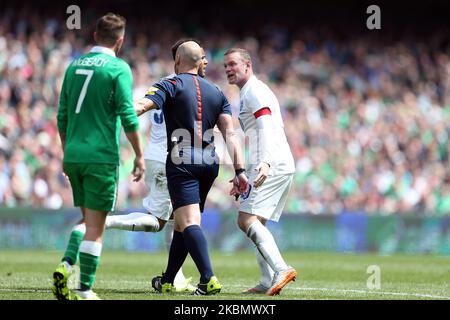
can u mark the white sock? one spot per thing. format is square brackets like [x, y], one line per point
[168, 234]
[93, 248]
[179, 277]
[85, 294]
[135, 221]
[266, 271]
[266, 245]
[80, 228]
[68, 266]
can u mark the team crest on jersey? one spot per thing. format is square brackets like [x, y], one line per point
[158, 117]
[151, 91]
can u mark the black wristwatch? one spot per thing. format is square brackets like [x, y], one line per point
[239, 171]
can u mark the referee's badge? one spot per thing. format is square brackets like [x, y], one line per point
[151, 91]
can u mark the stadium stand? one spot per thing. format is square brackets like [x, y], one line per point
[367, 114]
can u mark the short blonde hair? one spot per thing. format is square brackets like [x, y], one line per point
[245, 55]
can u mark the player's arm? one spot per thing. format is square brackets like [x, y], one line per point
[264, 122]
[129, 120]
[62, 113]
[139, 163]
[240, 181]
[225, 125]
[155, 96]
[143, 105]
[62, 136]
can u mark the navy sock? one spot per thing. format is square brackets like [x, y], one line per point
[177, 254]
[68, 260]
[198, 249]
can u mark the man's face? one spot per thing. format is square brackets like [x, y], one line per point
[202, 66]
[236, 69]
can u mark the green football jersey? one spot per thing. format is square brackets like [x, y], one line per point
[96, 98]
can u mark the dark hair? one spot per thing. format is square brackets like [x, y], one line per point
[109, 28]
[179, 43]
[245, 55]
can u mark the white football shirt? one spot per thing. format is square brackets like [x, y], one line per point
[256, 99]
[156, 148]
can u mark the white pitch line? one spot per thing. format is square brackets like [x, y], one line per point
[24, 290]
[420, 295]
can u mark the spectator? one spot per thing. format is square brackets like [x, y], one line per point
[367, 118]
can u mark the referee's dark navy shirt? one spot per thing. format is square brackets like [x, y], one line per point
[191, 103]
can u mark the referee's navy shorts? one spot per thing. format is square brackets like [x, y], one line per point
[190, 183]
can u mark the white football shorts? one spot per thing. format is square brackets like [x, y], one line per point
[269, 199]
[157, 201]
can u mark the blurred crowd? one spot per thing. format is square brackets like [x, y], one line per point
[367, 116]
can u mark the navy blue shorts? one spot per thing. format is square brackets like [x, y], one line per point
[190, 183]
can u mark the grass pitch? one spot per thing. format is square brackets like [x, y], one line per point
[26, 275]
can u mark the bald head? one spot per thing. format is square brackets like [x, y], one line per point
[189, 55]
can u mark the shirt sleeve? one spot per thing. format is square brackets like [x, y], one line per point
[258, 103]
[161, 91]
[62, 109]
[226, 108]
[124, 100]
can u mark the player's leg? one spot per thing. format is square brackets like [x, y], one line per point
[180, 282]
[188, 218]
[267, 274]
[208, 176]
[177, 255]
[168, 234]
[264, 203]
[100, 185]
[73, 246]
[268, 249]
[157, 203]
[90, 252]
[209, 283]
[159, 208]
[64, 270]
[78, 231]
[135, 221]
[262, 238]
[186, 194]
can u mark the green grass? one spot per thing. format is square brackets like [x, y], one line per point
[26, 275]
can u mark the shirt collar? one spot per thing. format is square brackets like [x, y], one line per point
[247, 84]
[105, 50]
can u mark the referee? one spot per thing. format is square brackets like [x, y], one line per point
[192, 106]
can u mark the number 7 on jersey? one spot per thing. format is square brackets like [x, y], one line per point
[88, 74]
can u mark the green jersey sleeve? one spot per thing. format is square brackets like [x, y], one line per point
[62, 110]
[124, 100]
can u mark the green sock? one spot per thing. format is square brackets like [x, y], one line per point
[73, 248]
[89, 262]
